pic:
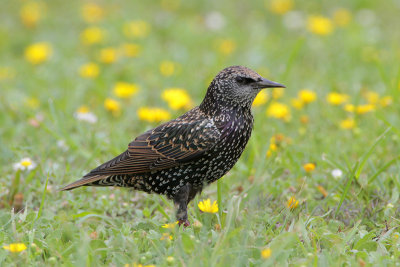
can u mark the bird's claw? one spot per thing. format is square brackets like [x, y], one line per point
[185, 223]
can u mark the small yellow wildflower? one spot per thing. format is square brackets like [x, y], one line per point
[206, 206]
[320, 25]
[92, 12]
[362, 109]
[170, 225]
[304, 119]
[92, 35]
[322, 190]
[15, 247]
[266, 253]
[137, 28]
[277, 92]
[177, 98]
[153, 114]
[38, 53]
[386, 101]
[166, 236]
[170, 259]
[349, 107]
[261, 98]
[226, 46]
[307, 96]
[113, 106]
[297, 103]
[32, 102]
[108, 55]
[342, 17]
[347, 124]
[272, 147]
[125, 90]
[279, 111]
[337, 99]
[167, 68]
[309, 167]
[279, 7]
[371, 97]
[131, 50]
[89, 70]
[292, 203]
[30, 13]
[7, 73]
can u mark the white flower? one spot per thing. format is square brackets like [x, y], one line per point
[86, 116]
[214, 21]
[62, 145]
[24, 164]
[337, 173]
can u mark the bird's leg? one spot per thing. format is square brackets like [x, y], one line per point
[181, 200]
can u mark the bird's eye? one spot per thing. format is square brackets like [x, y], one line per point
[244, 80]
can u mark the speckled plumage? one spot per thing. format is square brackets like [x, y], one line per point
[179, 157]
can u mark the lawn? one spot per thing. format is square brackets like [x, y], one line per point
[318, 184]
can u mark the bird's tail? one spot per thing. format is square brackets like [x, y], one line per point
[83, 181]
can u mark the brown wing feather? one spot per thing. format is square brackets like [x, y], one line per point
[171, 144]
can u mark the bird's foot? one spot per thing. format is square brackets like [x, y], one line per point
[185, 223]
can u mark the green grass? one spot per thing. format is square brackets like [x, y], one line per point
[357, 223]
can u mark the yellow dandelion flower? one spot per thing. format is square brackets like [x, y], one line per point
[108, 55]
[177, 98]
[6, 73]
[320, 25]
[297, 103]
[167, 68]
[153, 114]
[292, 203]
[125, 90]
[89, 70]
[347, 124]
[38, 53]
[92, 35]
[341, 17]
[386, 101]
[261, 98]
[349, 108]
[206, 206]
[279, 111]
[226, 46]
[137, 28]
[362, 109]
[131, 50]
[92, 12]
[337, 99]
[322, 190]
[371, 97]
[15, 247]
[309, 167]
[166, 236]
[307, 96]
[277, 92]
[266, 253]
[32, 102]
[170, 225]
[304, 119]
[279, 7]
[30, 13]
[113, 106]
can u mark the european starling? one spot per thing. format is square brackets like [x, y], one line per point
[178, 158]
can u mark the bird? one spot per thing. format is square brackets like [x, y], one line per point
[178, 158]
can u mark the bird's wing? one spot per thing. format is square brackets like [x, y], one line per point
[171, 144]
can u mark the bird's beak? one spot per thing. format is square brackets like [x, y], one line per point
[264, 83]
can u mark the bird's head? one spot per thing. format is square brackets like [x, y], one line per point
[238, 85]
